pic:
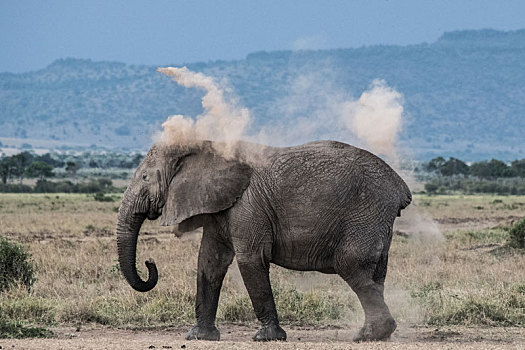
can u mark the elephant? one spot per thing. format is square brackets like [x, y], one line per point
[322, 206]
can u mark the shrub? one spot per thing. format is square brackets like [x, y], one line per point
[308, 307]
[93, 186]
[14, 188]
[17, 329]
[16, 267]
[63, 187]
[237, 310]
[517, 235]
[101, 197]
[448, 306]
[431, 187]
[451, 184]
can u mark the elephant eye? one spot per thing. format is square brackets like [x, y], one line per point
[144, 176]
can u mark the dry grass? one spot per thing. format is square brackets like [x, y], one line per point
[466, 278]
[460, 211]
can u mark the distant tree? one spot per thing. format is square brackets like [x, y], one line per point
[72, 168]
[431, 187]
[113, 160]
[480, 169]
[47, 158]
[137, 159]
[20, 162]
[6, 169]
[454, 166]
[126, 164]
[40, 170]
[490, 170]
[435, 164]
[518, 167]
[105, 184]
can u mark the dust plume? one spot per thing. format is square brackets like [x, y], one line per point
[375, 118]
[315, 108]
[308, 111]
[222, 119]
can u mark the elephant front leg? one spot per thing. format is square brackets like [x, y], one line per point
[214, 259]
[255, 274]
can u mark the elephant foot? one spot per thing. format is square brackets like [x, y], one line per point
[203, 333]
[270, 332]
[376, 331]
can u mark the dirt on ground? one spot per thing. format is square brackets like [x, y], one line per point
[239, 337]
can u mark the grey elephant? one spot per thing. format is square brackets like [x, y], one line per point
[323, 206]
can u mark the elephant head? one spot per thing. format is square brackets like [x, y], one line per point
[181, 183]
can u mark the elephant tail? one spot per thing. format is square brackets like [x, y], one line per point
[405, 197]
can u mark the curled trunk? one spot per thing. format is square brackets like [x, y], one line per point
[128, 228]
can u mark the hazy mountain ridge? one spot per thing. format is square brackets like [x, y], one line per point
[464, 94]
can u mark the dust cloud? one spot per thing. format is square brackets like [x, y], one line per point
[375, 118]
[222, 119]
[316, 109]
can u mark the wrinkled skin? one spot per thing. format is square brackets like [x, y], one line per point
[323, 206]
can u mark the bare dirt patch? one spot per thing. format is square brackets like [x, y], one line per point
[239, 337]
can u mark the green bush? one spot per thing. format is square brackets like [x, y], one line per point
[237, 310]
[16, 267]
[431, 187]
[101, 185]
[15, 188]
[517, 235]
[101, 197]
[17, 329]
[22, 315]
[447, 306]
[469, 185]
[308, 307]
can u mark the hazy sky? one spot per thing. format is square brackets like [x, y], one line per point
[35, 33]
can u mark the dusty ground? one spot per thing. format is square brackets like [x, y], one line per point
[239, 337]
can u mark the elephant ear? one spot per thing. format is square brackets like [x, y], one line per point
[204, 183]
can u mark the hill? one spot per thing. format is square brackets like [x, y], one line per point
[464, 94]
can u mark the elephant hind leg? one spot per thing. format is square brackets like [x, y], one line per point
[365, 272]
[379, 323]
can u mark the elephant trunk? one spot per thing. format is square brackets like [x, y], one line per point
[128, 227]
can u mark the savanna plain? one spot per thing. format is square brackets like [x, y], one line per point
[454, 281]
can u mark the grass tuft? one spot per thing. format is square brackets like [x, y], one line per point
[236, 310]
[16, 267]
[18, 329]
[309, 307]
[19, 310]
[500, 310]
[517, 235]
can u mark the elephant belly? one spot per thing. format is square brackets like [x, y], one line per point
[304, 251]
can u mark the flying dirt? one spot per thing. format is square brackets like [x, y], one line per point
[372, 121]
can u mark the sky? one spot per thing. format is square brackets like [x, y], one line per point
[35, 33]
